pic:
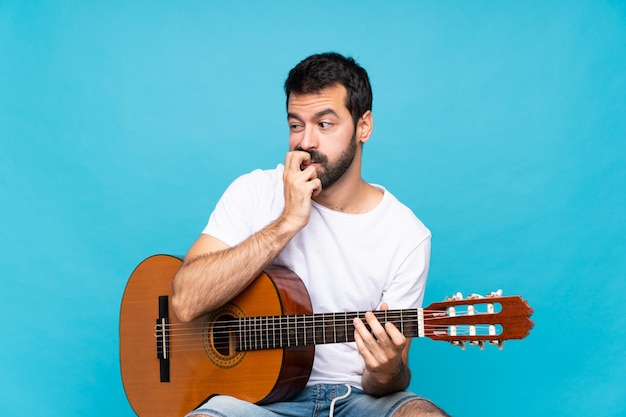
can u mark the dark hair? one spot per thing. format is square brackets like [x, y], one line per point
[320, 71]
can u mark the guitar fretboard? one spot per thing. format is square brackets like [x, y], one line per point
[271, 332]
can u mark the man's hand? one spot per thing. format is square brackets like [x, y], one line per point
[385, 352]
[213, 273]
[301, 185]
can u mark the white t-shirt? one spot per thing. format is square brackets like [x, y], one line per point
[348, 262]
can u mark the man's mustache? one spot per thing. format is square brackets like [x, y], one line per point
[316, 156]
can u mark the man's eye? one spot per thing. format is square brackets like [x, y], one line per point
[295, 126]
[325, 125]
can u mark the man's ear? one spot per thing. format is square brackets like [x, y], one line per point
[364, 127]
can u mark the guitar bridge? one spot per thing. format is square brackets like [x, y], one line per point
[163, 339]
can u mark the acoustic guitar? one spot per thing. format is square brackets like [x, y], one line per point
[259, 347]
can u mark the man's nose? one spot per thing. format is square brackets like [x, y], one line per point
[309, 139]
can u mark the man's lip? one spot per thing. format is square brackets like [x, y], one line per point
[305, 165]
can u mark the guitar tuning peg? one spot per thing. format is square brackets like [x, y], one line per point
[474, 296]
[459, 343]
[494, 294]
[479, 343]
[456, 297]
[499, 343]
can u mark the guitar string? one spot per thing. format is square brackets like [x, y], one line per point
[320, 321]
[197, 343]
[200, 329]
[190, 336]
[278, 337]
[328, 319]
[192, 342]
[411, 313]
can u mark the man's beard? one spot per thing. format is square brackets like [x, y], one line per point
[331, 173]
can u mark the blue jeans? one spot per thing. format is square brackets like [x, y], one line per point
[315, 401]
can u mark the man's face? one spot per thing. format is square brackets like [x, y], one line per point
[321, 125]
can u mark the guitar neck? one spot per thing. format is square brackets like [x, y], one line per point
[493, 319]
[270, 332]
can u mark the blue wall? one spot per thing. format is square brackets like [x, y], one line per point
[501, 124]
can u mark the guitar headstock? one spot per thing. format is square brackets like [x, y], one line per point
[478, 319]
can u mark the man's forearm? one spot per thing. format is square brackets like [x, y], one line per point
[207, 281]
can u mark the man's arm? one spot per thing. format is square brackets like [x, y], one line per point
[386, 354]
[213, 273]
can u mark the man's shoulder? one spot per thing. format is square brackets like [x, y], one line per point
[261, 177]
[404, 217]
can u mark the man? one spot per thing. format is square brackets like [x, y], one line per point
[354, 245]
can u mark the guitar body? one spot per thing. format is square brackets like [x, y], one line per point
[174, 375]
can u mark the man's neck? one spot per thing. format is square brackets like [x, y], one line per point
[357, 198]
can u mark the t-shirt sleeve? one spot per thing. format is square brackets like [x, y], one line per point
[406, 289]
[230, 222]
[247, 205]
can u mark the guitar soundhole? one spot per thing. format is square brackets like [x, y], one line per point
[221, 336]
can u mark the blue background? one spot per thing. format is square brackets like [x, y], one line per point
[501, 124]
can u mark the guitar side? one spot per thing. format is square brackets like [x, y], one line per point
[191, 369]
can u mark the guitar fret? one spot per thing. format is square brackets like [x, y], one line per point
[238, 339]
[271, 332]
[242, 338]
[253, 341]
[262, 333]
[284, 332]
[249, 334]
[300, 339]
[325, 326]
[254, 335]
[257, 333]
[274, 336]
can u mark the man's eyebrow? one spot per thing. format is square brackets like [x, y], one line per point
[325, 112]
[318, 115]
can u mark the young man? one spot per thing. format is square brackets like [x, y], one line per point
[353, 244]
